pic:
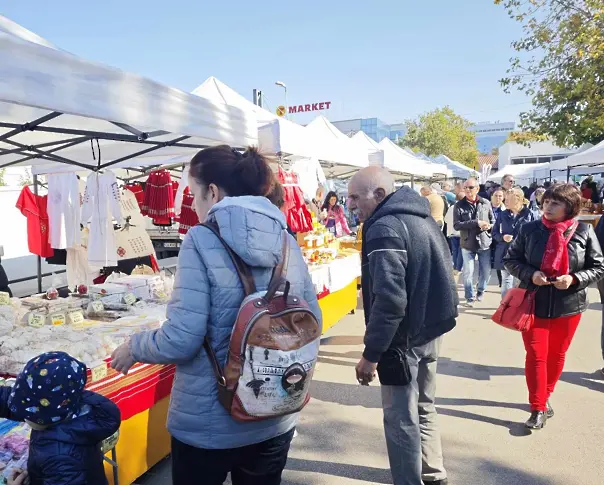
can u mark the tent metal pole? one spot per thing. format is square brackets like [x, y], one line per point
[143, 152]
[39, 262]
[73, 142]
[568, 175]
[30, 125]
[412, 181]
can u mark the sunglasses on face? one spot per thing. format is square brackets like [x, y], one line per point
[469, 187]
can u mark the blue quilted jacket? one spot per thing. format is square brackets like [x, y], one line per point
[207, 296]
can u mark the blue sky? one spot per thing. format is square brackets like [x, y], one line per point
[390, 59]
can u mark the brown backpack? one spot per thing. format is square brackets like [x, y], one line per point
[273, 348]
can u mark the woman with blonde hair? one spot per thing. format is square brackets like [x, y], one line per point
[506, 229]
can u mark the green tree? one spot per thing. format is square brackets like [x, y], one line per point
[559, 63]
[25, 179]
[442, 132]
[525, 137]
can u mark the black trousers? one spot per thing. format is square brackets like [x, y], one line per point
[259, 464]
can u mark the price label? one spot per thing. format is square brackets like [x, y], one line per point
[76, 317]
[97, 306]
[4, 298]
[36, 320]
[58, 319]
[99, 372]
[161, 295]
[129, 298]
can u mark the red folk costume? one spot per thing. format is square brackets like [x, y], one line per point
[34, 207]
[158, 202]
[297, 216]
[137, 189]
[188, 216]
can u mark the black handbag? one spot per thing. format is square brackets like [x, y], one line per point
[393, 368]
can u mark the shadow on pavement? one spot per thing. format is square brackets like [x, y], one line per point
[342, 470]
[515, 428]
[481, 372]
[342, 340]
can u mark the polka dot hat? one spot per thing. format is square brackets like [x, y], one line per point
[49, 388]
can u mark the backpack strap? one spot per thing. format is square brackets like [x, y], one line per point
[243, 270]
[280, 271]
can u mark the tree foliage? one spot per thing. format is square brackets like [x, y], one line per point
[25, 178]
[442, 132]
[525, 137]
[560, 65]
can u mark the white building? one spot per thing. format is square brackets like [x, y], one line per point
[490, 135]
[512, 153]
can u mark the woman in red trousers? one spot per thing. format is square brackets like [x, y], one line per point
[559, 257]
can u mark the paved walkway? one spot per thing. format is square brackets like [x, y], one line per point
[481, 402]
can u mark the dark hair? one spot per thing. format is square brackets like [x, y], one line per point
[276, 194]
[235, 173]
[330, 194]
[566, 194]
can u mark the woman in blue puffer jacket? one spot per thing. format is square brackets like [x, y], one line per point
[207, 442]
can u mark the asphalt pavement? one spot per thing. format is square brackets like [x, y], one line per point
[481, 403]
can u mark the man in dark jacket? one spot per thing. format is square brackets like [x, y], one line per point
[473, 218]
[406, 263]
[600, 236]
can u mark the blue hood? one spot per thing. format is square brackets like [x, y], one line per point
[252, 227]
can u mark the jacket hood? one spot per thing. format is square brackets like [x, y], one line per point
[252, 227]
[97, 419]
[406, 201]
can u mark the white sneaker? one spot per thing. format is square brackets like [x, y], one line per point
[469, 304]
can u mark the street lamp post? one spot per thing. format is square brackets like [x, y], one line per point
[282, 84]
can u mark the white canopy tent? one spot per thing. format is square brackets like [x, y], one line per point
[459, 170]
[374, 152]
[54, 106]
[398, 160]
[342, 154]
[523, 173]
[592, 157]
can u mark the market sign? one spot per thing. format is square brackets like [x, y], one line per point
[280, 110]
[304, 108]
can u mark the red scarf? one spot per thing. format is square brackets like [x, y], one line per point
[555, 258]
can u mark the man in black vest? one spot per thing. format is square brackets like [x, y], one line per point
[406, 268]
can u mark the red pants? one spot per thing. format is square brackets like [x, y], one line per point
[546, 345]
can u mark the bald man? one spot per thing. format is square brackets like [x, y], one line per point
[406, 268]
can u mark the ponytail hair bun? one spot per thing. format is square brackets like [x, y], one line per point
[235, 173]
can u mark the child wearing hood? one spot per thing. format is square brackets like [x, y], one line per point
[68, 423]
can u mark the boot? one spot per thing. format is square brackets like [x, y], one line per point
[537, 420]
[550, 410]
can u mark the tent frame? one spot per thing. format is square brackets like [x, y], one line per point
[81, 136]
[47, 150]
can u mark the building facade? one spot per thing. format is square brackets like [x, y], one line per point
[512, 153]
[373, 127]
[491, 135]
[488, 135]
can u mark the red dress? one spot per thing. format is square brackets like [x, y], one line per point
[188, 216]
[34, 207]
[137, 189]
[159, 196]
[297, 216]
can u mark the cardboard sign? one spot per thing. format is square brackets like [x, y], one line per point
[99, 372]
[97, 306]
[76, 317]
[4, 298]
[36, 320]
[58, 319]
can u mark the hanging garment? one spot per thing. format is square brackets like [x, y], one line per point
[184, 184]
[137, 189]
[188, 216]
[34, 207]
[64, 210]
[101, 206]
[78, 271]
[310, 176]
[159, 195]
[167, 221]
[297, 216]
